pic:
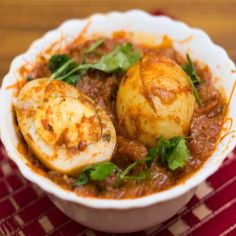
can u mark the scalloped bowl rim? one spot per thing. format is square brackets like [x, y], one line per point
[53, 188]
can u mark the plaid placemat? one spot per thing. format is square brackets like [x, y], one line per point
[26, 210]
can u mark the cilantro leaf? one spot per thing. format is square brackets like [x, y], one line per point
[159, 149]
[179, 155]
[56, 61]
[102, 171]
[120, 59]
[94, 46]
[83, 179]
[61, 65]
[123, 175]
[194, 79]
[190, 70]
[95, 172]
[171, 152]
[196, 95]
[72, 79]
[140, 177]
[143, 175]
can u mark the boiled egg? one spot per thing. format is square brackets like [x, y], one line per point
[64, 128]
[155, 99]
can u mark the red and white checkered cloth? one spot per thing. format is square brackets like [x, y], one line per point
[26, 210]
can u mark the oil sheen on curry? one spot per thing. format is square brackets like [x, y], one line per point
[108, 118]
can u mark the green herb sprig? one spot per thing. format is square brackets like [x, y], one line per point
[94, 46]
[173, 153]
[120, 59]
[194, 79]
[96, 172]
[61, 66]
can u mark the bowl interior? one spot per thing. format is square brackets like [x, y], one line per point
[146, 29]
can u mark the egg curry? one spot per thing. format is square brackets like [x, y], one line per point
[110, 118]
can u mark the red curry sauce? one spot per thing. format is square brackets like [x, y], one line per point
[204, 132]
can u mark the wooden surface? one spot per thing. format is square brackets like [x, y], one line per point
[22, 21]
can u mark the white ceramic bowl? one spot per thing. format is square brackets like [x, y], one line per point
[131, 214]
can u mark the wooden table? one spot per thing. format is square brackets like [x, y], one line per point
[22, 21]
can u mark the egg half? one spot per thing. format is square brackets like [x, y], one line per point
[155, 99]
[65, 129]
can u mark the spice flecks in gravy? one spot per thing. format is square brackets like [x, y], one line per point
[205, 128]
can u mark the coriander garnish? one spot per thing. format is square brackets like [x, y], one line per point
[173, 153]
[194, 79]
[120, 59]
